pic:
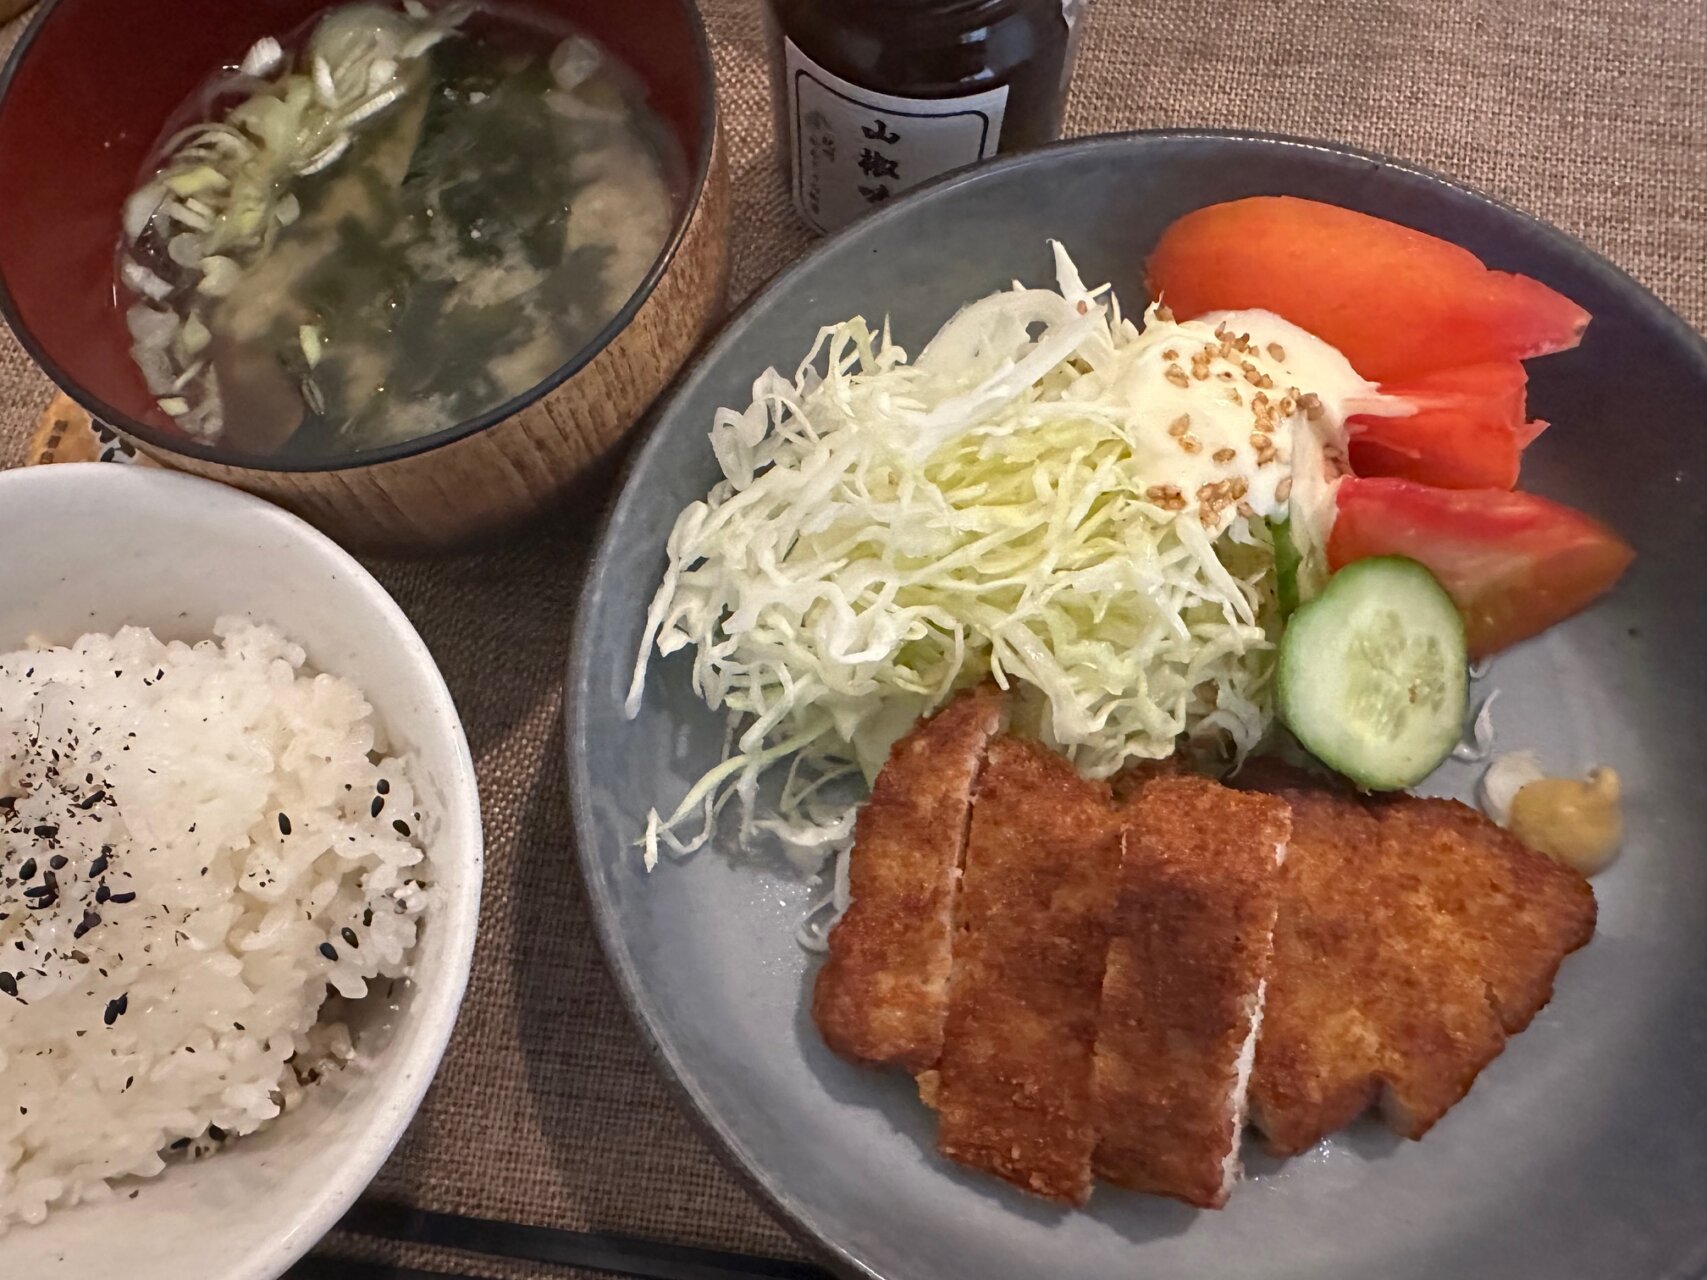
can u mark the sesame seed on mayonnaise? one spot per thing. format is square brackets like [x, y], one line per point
[1240, 413]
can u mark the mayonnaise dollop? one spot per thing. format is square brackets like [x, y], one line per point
[1240, 413]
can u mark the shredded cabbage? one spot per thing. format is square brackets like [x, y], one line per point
[889, 531]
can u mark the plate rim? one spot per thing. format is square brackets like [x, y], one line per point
[650, 439]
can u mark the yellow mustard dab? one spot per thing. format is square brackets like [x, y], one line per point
[1579, 822]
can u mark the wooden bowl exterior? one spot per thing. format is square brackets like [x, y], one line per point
[471, 489]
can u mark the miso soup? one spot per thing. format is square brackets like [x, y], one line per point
[389, 223]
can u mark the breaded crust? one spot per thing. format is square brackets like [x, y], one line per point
[1413, 936]
[1181, 996]
[1519, 913]
[1129, 783]
[1014, 1087]
[883, 991]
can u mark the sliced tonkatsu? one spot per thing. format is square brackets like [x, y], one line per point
[1013, 1090]
[883, 991]
[1517, 913]
[1413, 937]
[1098, 979]
[1182, 993]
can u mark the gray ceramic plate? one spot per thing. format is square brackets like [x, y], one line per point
[1581, 1152]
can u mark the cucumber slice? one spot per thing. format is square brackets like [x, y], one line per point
[1373, 677]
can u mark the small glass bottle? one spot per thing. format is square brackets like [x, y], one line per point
[876, 96]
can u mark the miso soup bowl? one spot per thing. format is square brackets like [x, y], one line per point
[83, 100]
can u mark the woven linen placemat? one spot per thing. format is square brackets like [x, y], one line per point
[1589, 113]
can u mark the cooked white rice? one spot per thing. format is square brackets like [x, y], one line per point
[195, 843]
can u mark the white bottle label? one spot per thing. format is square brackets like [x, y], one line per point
[852, 148]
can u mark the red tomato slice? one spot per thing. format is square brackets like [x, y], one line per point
[1397, 302]
[1515, 564]
[1468, 431]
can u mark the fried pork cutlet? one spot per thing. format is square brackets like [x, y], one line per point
[1413, 937]
[1129, 783]
[1182, 993]
[883, 992]
[1031, 927]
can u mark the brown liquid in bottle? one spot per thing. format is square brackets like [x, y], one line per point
[877, 96]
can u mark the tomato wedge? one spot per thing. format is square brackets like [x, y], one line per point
[1468, 431]
[1514, 563]
[1397, 302]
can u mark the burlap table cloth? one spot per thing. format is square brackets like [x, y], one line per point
[1589, 113]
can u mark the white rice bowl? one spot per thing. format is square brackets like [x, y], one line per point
[274, 852]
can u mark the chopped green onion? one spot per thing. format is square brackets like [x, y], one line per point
[194, 336]
[193, 182]
[219, 275]
[308, 338]
[140, 208]
[144, 281]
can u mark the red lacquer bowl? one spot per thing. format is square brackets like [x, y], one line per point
[84, 98]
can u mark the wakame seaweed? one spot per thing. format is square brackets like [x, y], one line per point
[469, 239]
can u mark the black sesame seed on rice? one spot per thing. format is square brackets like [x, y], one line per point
[400, 827]
[284, 824]
[383, 787]
[349, 935]
[116, 1006]
[377, 805]
[328, 950]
